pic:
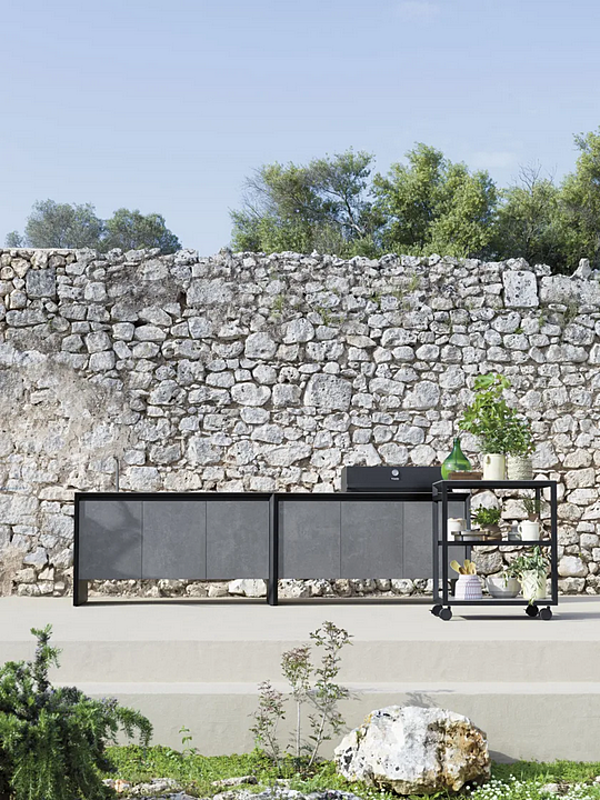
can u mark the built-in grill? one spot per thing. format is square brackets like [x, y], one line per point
[412, 480]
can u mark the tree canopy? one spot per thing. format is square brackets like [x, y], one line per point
[425, 205]
[65, 225]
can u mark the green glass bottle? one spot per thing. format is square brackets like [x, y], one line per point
[456, 461]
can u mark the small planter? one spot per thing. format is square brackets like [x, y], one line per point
[494, 467]
[533, 585]
[519, 468]
[468, 587]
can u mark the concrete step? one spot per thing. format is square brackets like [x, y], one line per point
[541, 721]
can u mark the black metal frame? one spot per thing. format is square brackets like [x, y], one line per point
[80, 587]
[443, 491]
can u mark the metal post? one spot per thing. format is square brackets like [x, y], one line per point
[272, 595]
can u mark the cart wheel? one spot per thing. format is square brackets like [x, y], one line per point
[446, 614]
[436, 611]
[546, 613]
[532, 611]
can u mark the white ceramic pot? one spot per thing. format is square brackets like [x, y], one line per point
[533, 585]
[494, 467]
[499, 586]
[519, 468]
[468, 587]
[456, 525]
[529, 530]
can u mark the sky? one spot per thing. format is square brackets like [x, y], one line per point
[167, 106]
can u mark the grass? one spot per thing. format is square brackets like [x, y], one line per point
[522, 780]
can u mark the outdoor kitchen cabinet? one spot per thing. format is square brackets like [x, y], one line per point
[193, 536]
[221, 536]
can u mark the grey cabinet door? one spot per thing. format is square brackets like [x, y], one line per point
[110, 539]
[174, 539]
[237, 539]
[309, 538]
[372, 539]
[418, 533]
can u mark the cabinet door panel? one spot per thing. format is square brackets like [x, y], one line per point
[237, 539]
[418, 545]
[174, 539]
[372, 539]
[309, 539]
[110, 539]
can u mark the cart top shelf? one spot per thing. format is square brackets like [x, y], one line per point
[451, 486]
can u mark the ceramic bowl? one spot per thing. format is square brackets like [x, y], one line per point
[498, 588]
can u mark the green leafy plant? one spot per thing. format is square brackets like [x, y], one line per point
[314, 686]
[488, 417]
[484, 517]
[52, 741]
[533, 561]
[518, 437]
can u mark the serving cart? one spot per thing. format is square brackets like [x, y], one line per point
[447, 490]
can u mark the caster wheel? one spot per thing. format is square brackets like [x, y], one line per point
[545, 613]
[532, 611]
[445, 613]
[436, 611]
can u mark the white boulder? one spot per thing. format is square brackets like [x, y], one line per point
[413, 750]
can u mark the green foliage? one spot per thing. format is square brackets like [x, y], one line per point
[488, 417]
[528, 223]
[322, 695]
[52, 741]
[434, 206]
[322, 206]
[484, 517]
[61, 225]
[131, 230]
[533, 560]
[580, 203]
[518, 437]
[14, 239]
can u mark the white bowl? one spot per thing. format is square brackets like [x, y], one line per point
[497, 586]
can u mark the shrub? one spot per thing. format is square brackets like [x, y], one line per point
[52, 741]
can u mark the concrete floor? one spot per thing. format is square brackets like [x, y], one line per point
[532, 685]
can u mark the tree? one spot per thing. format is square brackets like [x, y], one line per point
[580, 204]
[14, 239]
[432, 205]
[131, 230]
[320, 206]
[528, 224]
[63, 225]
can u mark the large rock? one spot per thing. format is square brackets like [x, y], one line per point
[412, 750]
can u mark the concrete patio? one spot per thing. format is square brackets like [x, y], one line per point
[533, 686]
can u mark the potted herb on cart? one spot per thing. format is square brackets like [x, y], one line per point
[487, 418]
[487, 520]
[519, 447]
[531, 570]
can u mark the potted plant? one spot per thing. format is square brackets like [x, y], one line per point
[488, 418]
[468, 585]
[487, 519]
[519, 447]
[530, 569]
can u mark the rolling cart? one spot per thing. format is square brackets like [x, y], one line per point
[443, 492]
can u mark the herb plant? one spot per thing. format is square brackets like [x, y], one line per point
[52, 741]
[484, 517]
[314, 686]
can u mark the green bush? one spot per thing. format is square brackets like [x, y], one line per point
[52, 741]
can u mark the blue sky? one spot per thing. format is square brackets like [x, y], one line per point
[168, 106]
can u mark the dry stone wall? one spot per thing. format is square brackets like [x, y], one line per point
[260, 373]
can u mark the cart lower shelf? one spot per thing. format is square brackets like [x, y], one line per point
[444, 610]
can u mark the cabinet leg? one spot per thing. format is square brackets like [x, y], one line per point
[80, 593]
